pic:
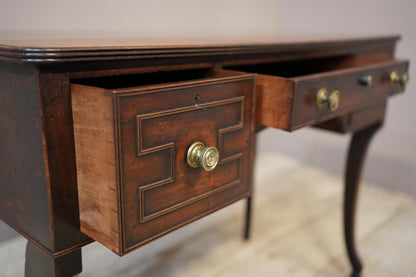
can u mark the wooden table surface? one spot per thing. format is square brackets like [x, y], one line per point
[58, 47]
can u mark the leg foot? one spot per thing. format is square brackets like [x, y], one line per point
[247, 224]
[41, 264]
[356, 157]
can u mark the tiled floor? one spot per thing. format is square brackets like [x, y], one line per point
[296, 233]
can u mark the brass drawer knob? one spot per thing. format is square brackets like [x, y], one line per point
[395, 78]
[366, 80]
[200, 155]
[332, 100]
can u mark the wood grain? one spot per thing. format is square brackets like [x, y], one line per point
[134, 183]
[23, 172]
[41, 49]
[126, 193]
[55, 97]
[275, 101]
[95, 149]
[290, 103]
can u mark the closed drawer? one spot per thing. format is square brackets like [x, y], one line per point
[288, 101]
[134, 180]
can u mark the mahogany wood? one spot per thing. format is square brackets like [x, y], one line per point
[133, 180]
[38, 176]
[357, 120]
[247, 221]
[353, 95]
[290, 103]
[40, 264]
[24, 197]
[95, 153]
[52, 49]
[55, 100]
[356, 156]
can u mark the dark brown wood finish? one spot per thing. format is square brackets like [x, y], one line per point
[60, 161]
[357, 120]
[247, 221]
[24, 195]
[131, 144]
[39, 263]
[53, 49]
[38, 189]
[290, 103]
[355, 162]
[42, 213]
[354, 96]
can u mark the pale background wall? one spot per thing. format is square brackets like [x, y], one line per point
[392, 157]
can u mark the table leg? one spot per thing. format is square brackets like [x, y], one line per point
[42, 264]
[356, 156]
[247, 219]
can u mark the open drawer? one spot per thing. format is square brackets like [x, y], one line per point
[290, 95]
[139, 156]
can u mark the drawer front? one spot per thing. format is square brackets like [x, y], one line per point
[292, 103]
[160, 190]
[354, 92]
[157, 190]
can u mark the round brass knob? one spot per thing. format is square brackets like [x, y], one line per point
[200, 155]
[395, 78]
[332, 100]
[366, 80]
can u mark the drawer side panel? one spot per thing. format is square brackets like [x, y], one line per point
[274, 101]
[96, 164]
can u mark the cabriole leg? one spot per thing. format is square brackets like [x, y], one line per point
[356, 156]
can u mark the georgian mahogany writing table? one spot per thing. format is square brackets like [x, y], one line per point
[123, 141]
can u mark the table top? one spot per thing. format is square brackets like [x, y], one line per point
[59, 48]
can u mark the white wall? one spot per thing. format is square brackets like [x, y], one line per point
[144, 18]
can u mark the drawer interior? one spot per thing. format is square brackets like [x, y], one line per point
[152, 78]
[286, 69]
[290, 69]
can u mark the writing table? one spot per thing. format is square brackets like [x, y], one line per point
[123, 141]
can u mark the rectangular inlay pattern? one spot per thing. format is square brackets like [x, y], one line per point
[226, 116]
[157, 184]
[134, 181]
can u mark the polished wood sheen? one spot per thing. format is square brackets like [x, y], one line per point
[39, 263]
[50, 48]
[356, 156]
[134, 183]
[357, 120]
[94, 132]
[290, 103]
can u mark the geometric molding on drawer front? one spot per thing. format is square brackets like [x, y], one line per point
[169, 145]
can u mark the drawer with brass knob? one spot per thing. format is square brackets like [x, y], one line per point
[291, 95]
[153, 157]
[330, 100]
